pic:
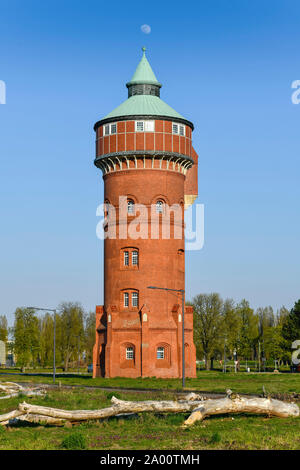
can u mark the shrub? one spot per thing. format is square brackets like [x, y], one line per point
[215, 438]
[74, 441]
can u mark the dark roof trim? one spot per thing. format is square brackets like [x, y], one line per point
[141, 153]
[135, 117]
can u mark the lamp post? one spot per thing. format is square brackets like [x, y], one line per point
[54, 332]
[78, 353]
[182, 293]
[224, 368]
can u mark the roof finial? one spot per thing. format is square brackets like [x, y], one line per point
[144, 50]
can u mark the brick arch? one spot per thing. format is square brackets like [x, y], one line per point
[130, 265]
[160, 197]
[166, 361]
[130, 291]
[187, 355]
[132, 197]
[124, 362]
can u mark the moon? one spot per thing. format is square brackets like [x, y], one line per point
[146, 29]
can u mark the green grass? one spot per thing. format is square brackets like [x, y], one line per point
[207, 381]
[145, 431]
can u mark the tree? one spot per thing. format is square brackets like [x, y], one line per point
[27, 337]
[281, 315]
[208, 323]
[3, 328]
[248, 329]
[46, 334]
[89, 333]
[71, 331]
[273, 343]
[291, 328]
[231, 325]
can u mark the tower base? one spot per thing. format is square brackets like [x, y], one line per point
[134, 346]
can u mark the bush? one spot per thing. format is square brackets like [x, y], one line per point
[74, 441]
[215, 438]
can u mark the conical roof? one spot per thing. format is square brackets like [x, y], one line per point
[143, 102]
[143, 105]
[144, 73]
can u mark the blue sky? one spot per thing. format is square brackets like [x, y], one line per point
[226, 65]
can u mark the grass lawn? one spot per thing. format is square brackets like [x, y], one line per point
[145, 431]
[207, 381]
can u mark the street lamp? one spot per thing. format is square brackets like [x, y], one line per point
[78, 337]
[54, 331]
[182, 293]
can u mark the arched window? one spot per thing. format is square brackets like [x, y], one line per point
[135, 299]
[126, 258]
[129, 257]
[159, 206]
[126, 299]
[160, 352]
[163, 355]
[130, 206]
[135, 258]
[129, 299]
[127, 355]
[106, 208]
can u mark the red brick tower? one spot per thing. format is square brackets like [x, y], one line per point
[144, 149]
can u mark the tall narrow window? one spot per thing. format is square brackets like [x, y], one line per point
[135, 299]
[106, 129]
[182, 130]
[160, 353]
[159, 207]
[135, 258]
[126, 299]
[174, 128]
[129, 353]
[126, 258]
[130, 206]
[113, 128]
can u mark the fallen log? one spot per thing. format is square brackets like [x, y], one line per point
[10, 415]
[12, 389]
[199, 409]
[118, 407]
[265, 406]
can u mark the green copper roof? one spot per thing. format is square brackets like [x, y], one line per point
[144, 73]
[143, 105]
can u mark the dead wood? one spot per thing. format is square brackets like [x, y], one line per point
[193, 403]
